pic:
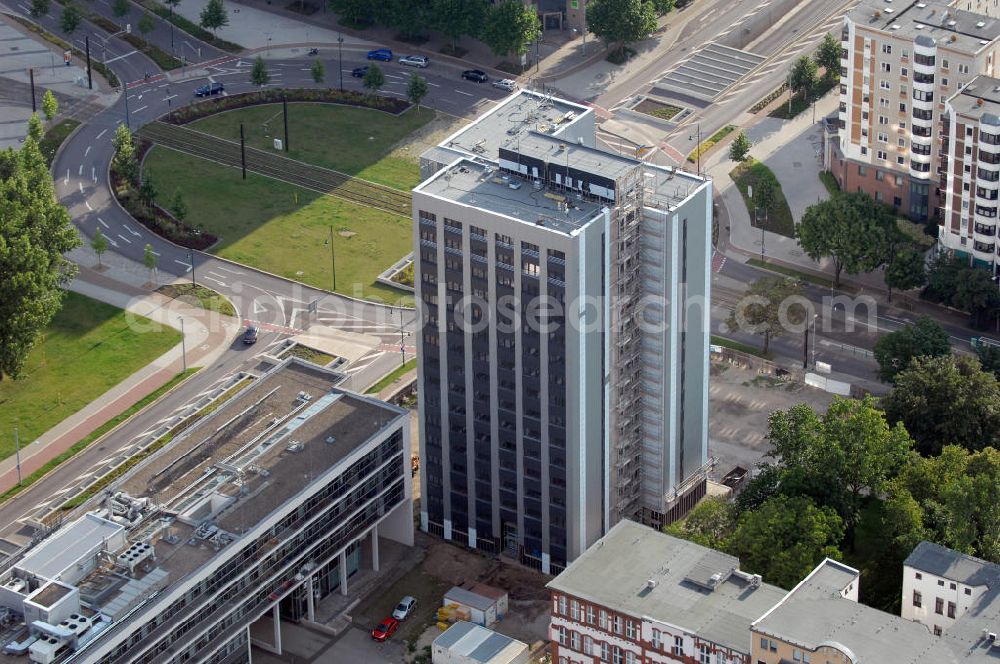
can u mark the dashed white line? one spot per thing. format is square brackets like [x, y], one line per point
[66, 179]
[81, 186]
[102, 222]
[436, 85]
[124, 55]
[125, 239]
[102, 133]
[81, 170]
[467, 94]
[129, 229]
[87, 151]
[142, 108]
[87, 203]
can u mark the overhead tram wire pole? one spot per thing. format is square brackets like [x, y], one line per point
[243, 152]
[184, 357]
[340, 59]
[284, 109]
[333, 258]
[90, 81]
[31, 75]
[17, 451]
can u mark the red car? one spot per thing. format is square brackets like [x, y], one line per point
[385, 629]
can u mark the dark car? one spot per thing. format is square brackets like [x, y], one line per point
[359, 72]
[383, 54]
[210, 89]
[476, 75]
[250, 336]
[385, 629]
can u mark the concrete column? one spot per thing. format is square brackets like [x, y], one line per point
[276, 617]
[310, 600]
[375, 547]
[342, 565]
[249, 649]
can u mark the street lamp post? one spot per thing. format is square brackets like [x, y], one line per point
[191, 260]
[333, 258]
[340, 59]
[402, 344]
[184, 359]
[17, 451]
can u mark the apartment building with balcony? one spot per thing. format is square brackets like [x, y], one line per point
[639, 596]
[254, 514]
[563, 351]
[971, 172]
[900, 62]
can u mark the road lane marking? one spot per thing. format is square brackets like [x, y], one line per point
[125, 239]
[66, 179]
[467, 94]
[102, 222]
[87, 203]
[186, 265]
[87, 151]
[81, 186]
[129, 229]
[143, 108]
[93, 173]
[124, 55]
[81, 170]
[436, 85]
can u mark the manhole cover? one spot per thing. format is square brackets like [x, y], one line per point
[797, 164]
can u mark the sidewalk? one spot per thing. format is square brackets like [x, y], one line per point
[207, 336]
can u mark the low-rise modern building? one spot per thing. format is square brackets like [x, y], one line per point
[970, 172]
[639, 596]
[467, 643]
[259, 509]
[563, 342]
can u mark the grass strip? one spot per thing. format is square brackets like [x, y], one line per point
[311, 355]
[54, 137]
[152, 448]
[801, 102]
[99, 67]
[710, 142]
[189, 26]
[779, 217]
[792, 272]
[392, 377]
[200, 296]
[830, 182]
[97, 433]
[737, 346]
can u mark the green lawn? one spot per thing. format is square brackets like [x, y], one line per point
[343, 138]
[200, 296]
[830, 182]
[392, 376]
[737, 346]
[801, 103]
[88, 349]
[710, 142]
[55, 136]
[282, 228]
[779, 217]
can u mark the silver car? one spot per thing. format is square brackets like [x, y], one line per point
[506, 84]
[414, 61]
[405, 608]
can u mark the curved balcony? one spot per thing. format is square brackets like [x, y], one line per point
[924, 45]
[983, 250]
[985, 232]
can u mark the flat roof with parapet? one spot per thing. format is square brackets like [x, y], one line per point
[68, 545]
[979, 97]
[512, 118]
[643, 572]
[950, 28]
[480, 186]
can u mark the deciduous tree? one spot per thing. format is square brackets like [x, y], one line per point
[416, 89]
[510, 26]
[976, 294]
[906, 270]
[852, 228]
[455, 18]
[356, 13]
[767, 309]
[149, 260]
[619, 23]
[828, 56]
[178, 207]
[739, 149]
[259, 75]
[71, 18]
[35, 233]
[124, 162]
[214, 16]
[946, 400]
[803, 76]
[709, 523]
[99, 244]
[786, 538]
[50, 106]
[923, 337]
[373, 79]
[317, 71]
[120, 7]
[146, 23]
[39, 8]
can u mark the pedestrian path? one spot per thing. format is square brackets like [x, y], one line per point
[206, 336]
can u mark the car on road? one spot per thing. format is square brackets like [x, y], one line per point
[385, 629]
[505, 84]
[476, 75]
[405, 608]
[250, 335]
[359, 72]
[380, 54]
[414, 61]
[210, 89]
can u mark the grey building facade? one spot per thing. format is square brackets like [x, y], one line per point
[563, 341]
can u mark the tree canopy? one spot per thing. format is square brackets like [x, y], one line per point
[709, 523]
[35, 233]
[803, 75]
[373, 79]
[510, 26]
[39, 8]
[946, 400]
[50, 106]
[416, 89]
[259, 75]
[923, 337]
[952, 281]
[768, 309]
[214, 16]
[739, 149]
[828, 55]
[455, 18]
[621, 22]
[905, 270]
[71, 18]
[852, 228]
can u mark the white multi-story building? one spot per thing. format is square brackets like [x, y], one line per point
[252, 514]
[941, 585]
[563, 348]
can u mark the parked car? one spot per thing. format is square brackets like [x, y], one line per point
[210, 89]
[406, 606]
[359, 72]
[505, 84]
[476, 75]
[415, 61]
[250, 336]
[385, 629]
[380, 54]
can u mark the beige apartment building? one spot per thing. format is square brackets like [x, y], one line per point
[900, 62]
[971, 172]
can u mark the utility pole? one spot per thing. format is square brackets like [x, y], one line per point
[333, 258]
[90, 80]
[789, 94]
[698, 149]
[31, 75]
[243, 152]
[284, 109]
[340, 58]
[805, 349]
[17, 451]
[402, 344]
[125, 90]
[191, 260]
